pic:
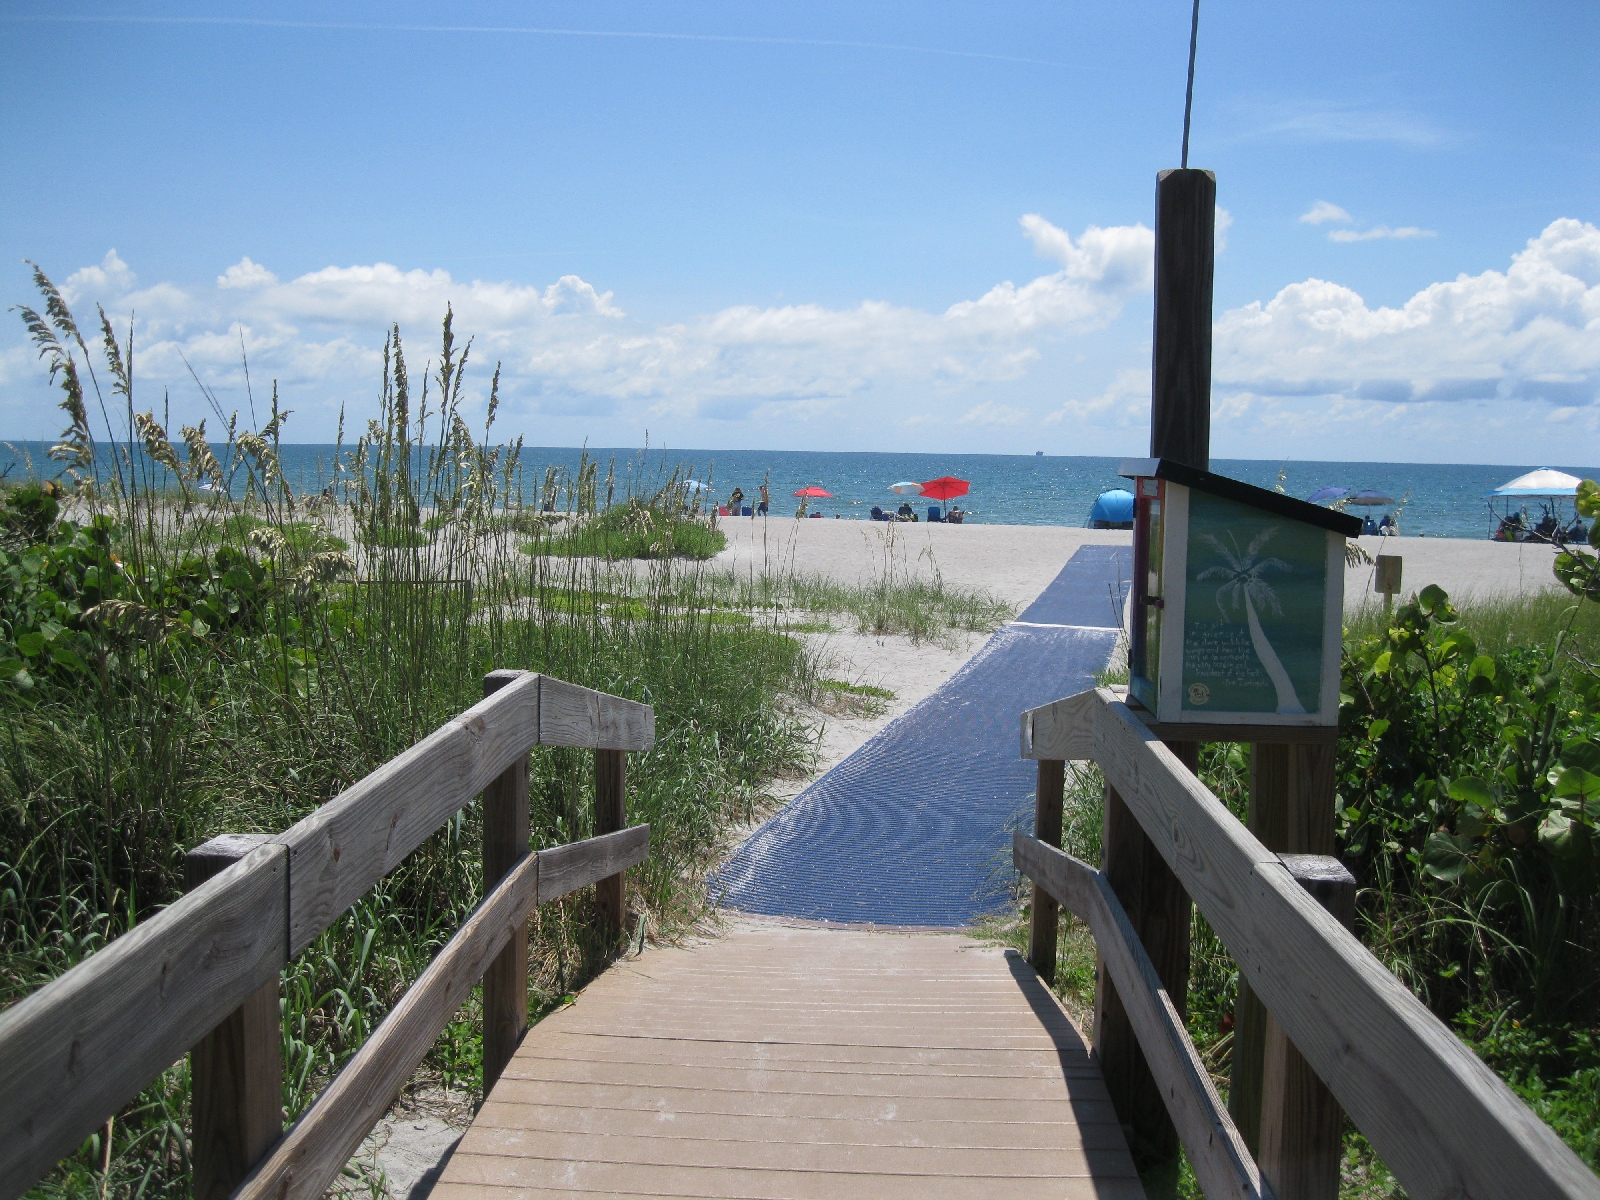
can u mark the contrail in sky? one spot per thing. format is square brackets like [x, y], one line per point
[263, 22]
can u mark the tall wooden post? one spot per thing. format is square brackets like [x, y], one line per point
[236, 1070]
[1180, 429]
[1180, 384]
[610, 815]
[1302, 1127]
[505, 842]
[1159, 909]
[1048, 797]
[1291, 812]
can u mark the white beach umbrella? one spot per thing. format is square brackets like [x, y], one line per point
[1543, 482]
[906, 488]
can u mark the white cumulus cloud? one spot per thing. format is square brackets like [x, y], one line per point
[569, 349]
[1531, 331]
[1224, 223]
[245, 274]
[1322, 212]
[110, 279]
[1378, 232]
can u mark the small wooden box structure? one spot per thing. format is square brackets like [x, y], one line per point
[1238, 600]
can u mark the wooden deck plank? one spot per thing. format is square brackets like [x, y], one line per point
[668, 1052]
[794, 1063]
[816, 1083]
[1021, 1135]
[1097, 1106]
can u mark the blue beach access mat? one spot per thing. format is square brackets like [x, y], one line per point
[914, 828]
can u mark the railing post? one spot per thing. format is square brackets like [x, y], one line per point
[1047, 803]
[1302, 1127]
[1159, 910]
[505, 842]
[236, 1070]
[610, 815]
[1291, 812]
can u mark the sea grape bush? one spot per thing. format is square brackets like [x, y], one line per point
[1579, 570]
[1474, 778]
[70, 606]
[51, 573]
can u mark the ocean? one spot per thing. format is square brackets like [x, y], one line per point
[1431, 499]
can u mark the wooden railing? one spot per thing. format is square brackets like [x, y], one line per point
[1440, 1120]
[1443, 1123]
[203, 973]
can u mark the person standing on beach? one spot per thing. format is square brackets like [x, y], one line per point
[765, 499]
[735, 501]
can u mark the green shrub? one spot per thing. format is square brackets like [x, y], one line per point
[636, 529]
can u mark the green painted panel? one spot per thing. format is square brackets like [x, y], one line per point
[1255, 587]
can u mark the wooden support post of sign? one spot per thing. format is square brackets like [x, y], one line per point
[1291, 812]
[1386, 578]
[610, 815]
[1159, 910]
[1180, 391]
[1180, 430]
[505, 843]
[1048, 796]
[1302, 1126]
[236, 1070]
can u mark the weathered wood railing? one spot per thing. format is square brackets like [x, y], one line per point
[1440, 1119]
[203, 973]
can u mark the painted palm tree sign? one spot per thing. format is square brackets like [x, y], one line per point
[1254, 617]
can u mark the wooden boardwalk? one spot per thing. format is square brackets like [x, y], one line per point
[802, 1064]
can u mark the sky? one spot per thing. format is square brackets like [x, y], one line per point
[824, 226]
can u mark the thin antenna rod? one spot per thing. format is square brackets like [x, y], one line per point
[1188, 96]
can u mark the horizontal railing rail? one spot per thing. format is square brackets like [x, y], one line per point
[77, 1050]
[1441, 1120]
[316, 1148]
[1221, 1161]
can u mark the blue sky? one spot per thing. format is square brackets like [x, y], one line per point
[825, 226]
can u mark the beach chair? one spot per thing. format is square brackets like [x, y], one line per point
[934, 513]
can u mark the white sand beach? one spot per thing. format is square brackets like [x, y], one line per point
[1016, 562]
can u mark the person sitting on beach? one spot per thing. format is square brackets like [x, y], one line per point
[1386, 526]
[955, 515]
[906, 512]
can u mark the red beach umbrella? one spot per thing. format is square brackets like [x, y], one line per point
[814, 492]
[946, 487]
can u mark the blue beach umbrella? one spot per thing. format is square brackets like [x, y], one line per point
[1324, 494]
[1368, 498]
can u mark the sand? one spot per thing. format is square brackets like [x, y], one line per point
[1468, 570]
[1015, 562]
